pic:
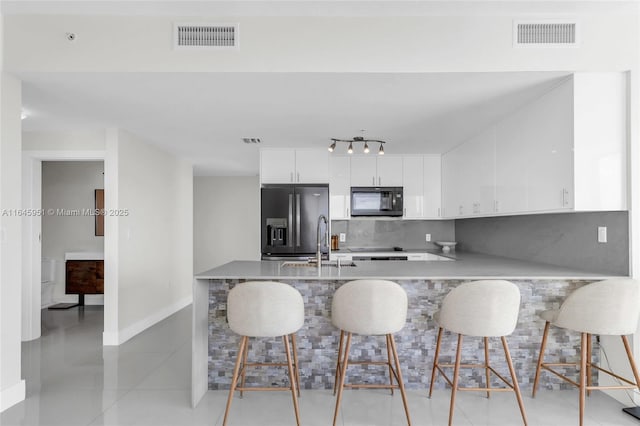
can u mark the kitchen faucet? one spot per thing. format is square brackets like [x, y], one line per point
[321, 218]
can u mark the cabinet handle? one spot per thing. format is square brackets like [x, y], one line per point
[405, 211]
[438, 211]
[347, 211]
[460, 210]
[291, 177]
[565, 197]
[298, 177]
[379, 181]
[373, 181]
[496, 206]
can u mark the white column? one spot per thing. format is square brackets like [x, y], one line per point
[12, 387]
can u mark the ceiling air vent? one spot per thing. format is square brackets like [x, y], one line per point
[251, 140]
[545, 33]
[216, 36]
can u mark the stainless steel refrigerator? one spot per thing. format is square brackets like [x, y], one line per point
[289, 219]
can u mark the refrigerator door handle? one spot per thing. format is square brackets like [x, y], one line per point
[289, 227]
[297, 220]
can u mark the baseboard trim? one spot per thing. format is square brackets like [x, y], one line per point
[12, 395]
[119, 337]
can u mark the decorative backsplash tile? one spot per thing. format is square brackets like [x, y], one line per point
[318, 339]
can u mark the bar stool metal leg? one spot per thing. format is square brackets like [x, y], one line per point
[435, 361]
[399, 377]
[343, 373]
[514, 379]
[389, 362]
[487, 371]
[545, 333]
[234, 380]
[296, 367]
[583, 373]
[456, 373]
[292, 379]
[243, 367]
[338, 363]
[632, 362]
[589, 358]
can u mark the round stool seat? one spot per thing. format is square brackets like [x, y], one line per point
[609, 307]
[487, 308]
[265, 309]
[369, 307]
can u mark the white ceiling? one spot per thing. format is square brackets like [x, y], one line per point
[203, 116]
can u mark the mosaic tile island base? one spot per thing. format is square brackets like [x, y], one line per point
[216, 346]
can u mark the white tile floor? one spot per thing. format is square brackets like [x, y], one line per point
[73, 380]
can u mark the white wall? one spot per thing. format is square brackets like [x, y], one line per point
[459, 41]
[70, 185]
[153, 251]
[12, 387]
[226, 215]
[65, 141]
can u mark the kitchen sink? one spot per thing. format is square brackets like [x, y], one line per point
[299, 264]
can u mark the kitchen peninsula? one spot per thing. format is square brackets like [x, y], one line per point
[542, 286]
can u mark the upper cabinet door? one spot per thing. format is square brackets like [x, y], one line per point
[363, 171]
[413, 179]
[432, 184]
[294, 165]
[277, 166]
[511, 164]
[389, 170]
[339, 187]
[452, 184]
[479, 174]
[548, 138]
[312, 166]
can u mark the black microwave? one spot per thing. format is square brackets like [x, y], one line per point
[376, 201]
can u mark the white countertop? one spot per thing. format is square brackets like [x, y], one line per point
[466, 266]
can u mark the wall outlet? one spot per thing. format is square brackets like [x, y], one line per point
[427, 237]
[602, 234]
[343, 237]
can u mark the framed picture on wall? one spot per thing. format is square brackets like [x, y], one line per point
[99, 195]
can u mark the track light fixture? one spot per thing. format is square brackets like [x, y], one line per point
[356, 139]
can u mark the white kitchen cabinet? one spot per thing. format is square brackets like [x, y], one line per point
[479, 174]
[376, 170]
[284, 165]
[312, 165]
[565, 151]
[511, 164]
[364, 170]
[468, 176]
[432, 186]
[389, 169]
[422, 186]
[277, 165]
[413, 191]
[452, 183]
[548, 146]
[339, 187]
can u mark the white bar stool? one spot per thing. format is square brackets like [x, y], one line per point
[369, 307]
[609, 307]
[487, 308]
[265, 309]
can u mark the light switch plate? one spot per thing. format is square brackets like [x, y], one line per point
[343, 237]
[427, 237]
[602, 234]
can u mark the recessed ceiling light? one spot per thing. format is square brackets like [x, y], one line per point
[251, 140]
[23, 115]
